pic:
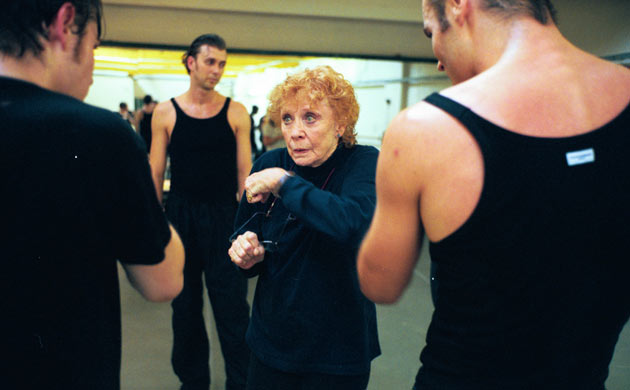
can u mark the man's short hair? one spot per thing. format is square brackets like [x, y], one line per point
[212, 40]
[122, 105]
[147, 99]
[541, 10]
[24, 23]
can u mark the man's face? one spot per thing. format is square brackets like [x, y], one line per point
[451, 56]
[207, 67]
[83, 61]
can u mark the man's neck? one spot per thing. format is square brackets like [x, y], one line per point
[506, 41]
[28, 68]
[530, 42]
[200, 97]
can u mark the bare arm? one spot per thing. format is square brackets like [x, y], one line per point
[238, 118]
[163, 119]
[163, 281]
[391, 247]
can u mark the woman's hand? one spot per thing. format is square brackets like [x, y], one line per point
[246, 250]
[260, 185]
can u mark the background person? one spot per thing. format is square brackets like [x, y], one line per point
[272, 136]
[518, 176]
[206, 136]
[123, 111]
[256, 152]
[143, 119]
[311, 327]
[70, 209]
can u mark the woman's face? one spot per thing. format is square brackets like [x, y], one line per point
[310, 131]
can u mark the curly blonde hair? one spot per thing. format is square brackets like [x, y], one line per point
[318, 84]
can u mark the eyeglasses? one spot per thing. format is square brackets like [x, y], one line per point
[269, 245]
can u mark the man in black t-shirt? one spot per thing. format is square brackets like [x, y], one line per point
[77, 196]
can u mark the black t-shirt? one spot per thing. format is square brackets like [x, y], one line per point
[77, 195]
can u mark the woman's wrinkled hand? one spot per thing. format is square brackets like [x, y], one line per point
[246, 251]
[259, 185]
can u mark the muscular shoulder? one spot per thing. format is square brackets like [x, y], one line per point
[164, 114]
[237, 110]
[238, 117]
[164, 108]
[422, 141]
[420, 128]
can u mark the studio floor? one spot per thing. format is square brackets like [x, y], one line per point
[147, 341]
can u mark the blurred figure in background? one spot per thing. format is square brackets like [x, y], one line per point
[143, 119]
[272, 136]
[123, 111]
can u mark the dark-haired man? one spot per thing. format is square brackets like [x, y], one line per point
[518, 176]
[123, 111]
[70, 210]
[143, 118]
[206, 136]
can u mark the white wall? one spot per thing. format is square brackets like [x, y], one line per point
[254, 88]
[424, 79]
[160, 87]
[110, 89]
[379, 86]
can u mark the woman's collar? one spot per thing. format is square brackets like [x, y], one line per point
[329, 164]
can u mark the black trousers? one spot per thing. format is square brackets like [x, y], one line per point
[204, 230]
[263, 377]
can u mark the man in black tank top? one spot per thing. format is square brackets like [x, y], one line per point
[518, 176]
[207, 138]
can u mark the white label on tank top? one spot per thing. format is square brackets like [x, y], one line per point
[580, 157]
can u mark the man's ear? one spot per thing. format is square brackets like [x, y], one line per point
[189, 62]
[62, 24]
[460, 10]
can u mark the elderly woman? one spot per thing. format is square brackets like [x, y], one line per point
[299, 226]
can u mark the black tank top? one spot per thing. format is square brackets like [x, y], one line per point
[532, 289]
[145, 129]
[203, 157]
